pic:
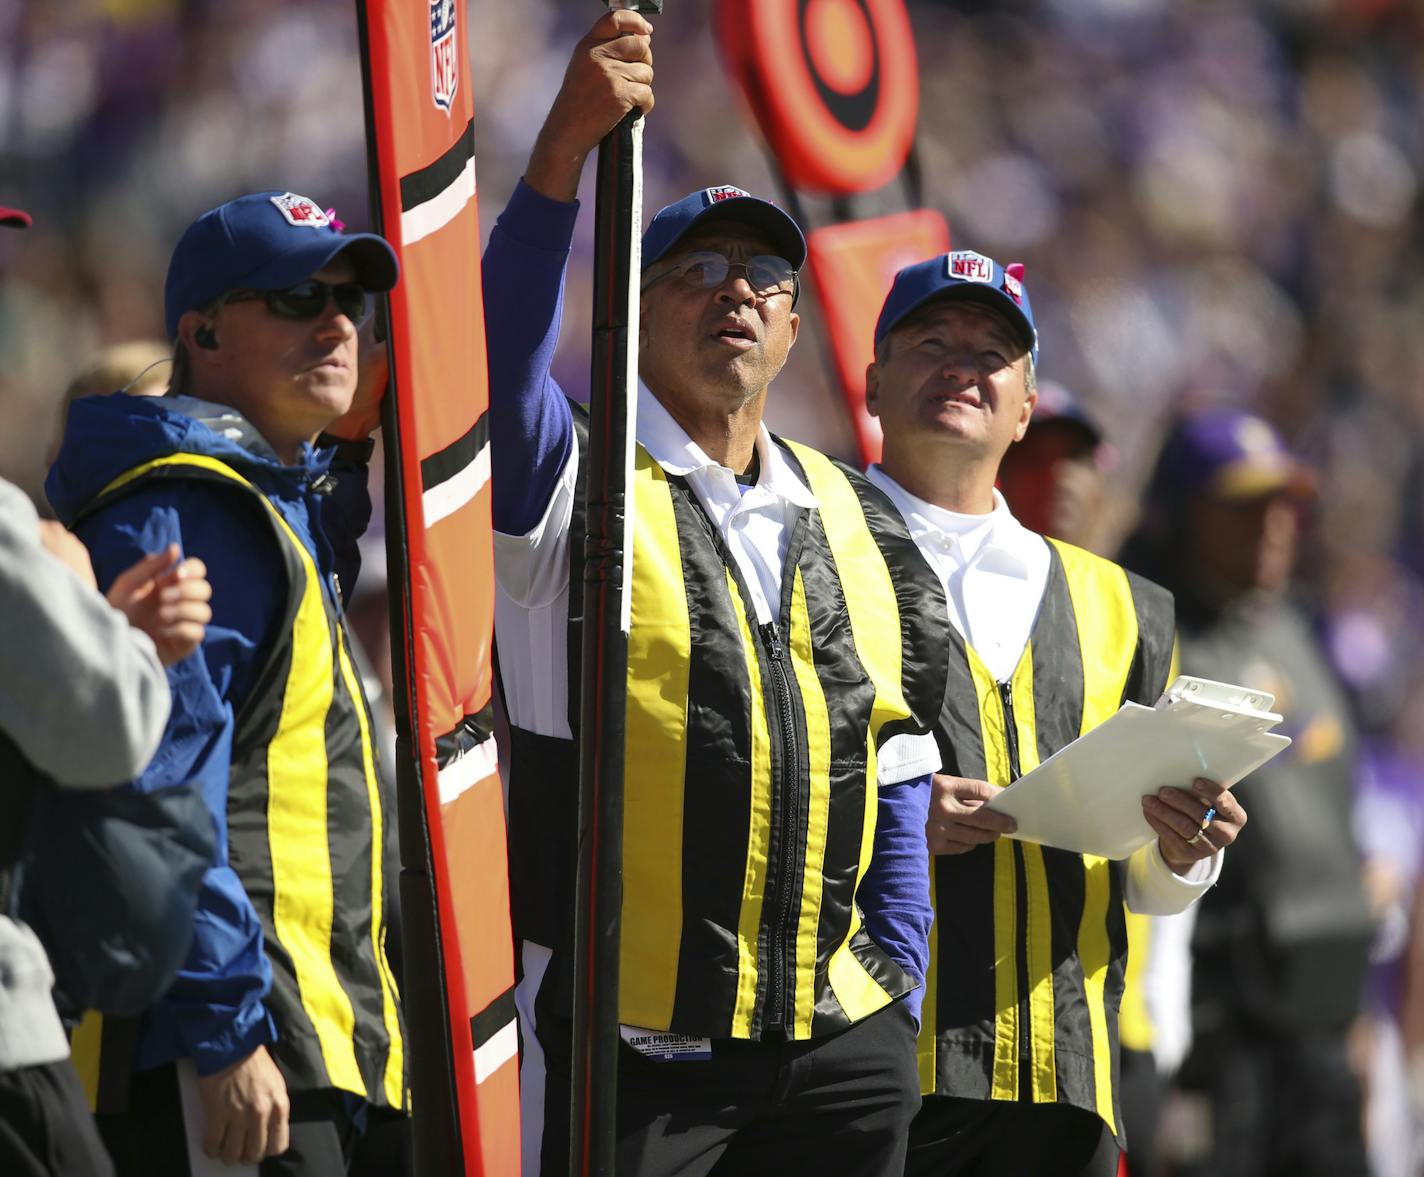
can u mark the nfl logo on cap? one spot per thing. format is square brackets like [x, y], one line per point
[725, 192]
[444, 54]
[969, 266]
[301, 211]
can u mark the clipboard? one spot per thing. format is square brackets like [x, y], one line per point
[1087, 796]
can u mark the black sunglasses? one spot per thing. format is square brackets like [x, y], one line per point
[306, 300]
[766, 273]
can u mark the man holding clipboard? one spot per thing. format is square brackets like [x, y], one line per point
[1020, 1049]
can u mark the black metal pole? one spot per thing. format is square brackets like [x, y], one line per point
[614, 372]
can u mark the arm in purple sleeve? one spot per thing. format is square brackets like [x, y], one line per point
[894, 895]
[531, 427]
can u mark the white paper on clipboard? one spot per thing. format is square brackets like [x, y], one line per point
[1088, 796]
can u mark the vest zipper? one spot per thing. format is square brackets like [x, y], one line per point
[1011, 741]
[1011, 731]
[789, 795]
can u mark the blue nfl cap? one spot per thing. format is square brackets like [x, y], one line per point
[265, 241]
[966, 275]
[725, 203]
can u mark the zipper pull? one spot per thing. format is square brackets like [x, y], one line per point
[771, 639]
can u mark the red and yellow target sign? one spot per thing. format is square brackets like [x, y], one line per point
[833, 85]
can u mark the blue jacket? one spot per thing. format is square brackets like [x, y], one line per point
[214, 1012]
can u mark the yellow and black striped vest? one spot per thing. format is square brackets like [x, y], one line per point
[750, 792]
[305, 826]
[1029, 946]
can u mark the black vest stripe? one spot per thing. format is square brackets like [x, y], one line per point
[1058, 683]
[543, 837]
[1155, 666]
[960, 988]
[922, 669]
[103, 1050]
[1057, 667]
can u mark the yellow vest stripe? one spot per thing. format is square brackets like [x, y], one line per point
[655, 746]
[1095, 952]
[925, 1045]
[199, 460]
[759, 835]
[85, 1042]
[1040, 975]
[1039, 935]
[302, 895]
[394, 1079]
[1006, 970]
[1005, 1080]
[1102, 602]
[818, 745]
[865, 580]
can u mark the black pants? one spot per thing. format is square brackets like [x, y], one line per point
[148, 1140]
[989, 1138]
[836, 1105]
[45, 1126]
[1282, 1105]
[1142, 1089]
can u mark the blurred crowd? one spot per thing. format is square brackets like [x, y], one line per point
[1217, 202]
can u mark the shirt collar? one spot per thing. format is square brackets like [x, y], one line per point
[673, 450]
[997, 533]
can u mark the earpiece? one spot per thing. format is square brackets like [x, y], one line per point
[205, 338]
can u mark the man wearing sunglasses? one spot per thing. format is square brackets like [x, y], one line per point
[282, 1034]
[784, 667]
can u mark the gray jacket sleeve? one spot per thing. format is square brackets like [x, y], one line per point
[81, 692]
[30, 1031]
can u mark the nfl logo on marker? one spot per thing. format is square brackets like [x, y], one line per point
[444, 54]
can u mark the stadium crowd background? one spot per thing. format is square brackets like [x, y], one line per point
[1215, 202]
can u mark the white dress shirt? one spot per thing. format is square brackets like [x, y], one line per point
[994, 571]
[755, 522]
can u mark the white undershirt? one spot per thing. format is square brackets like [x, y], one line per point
[994, 571]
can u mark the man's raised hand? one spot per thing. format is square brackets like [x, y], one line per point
[609, 74]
